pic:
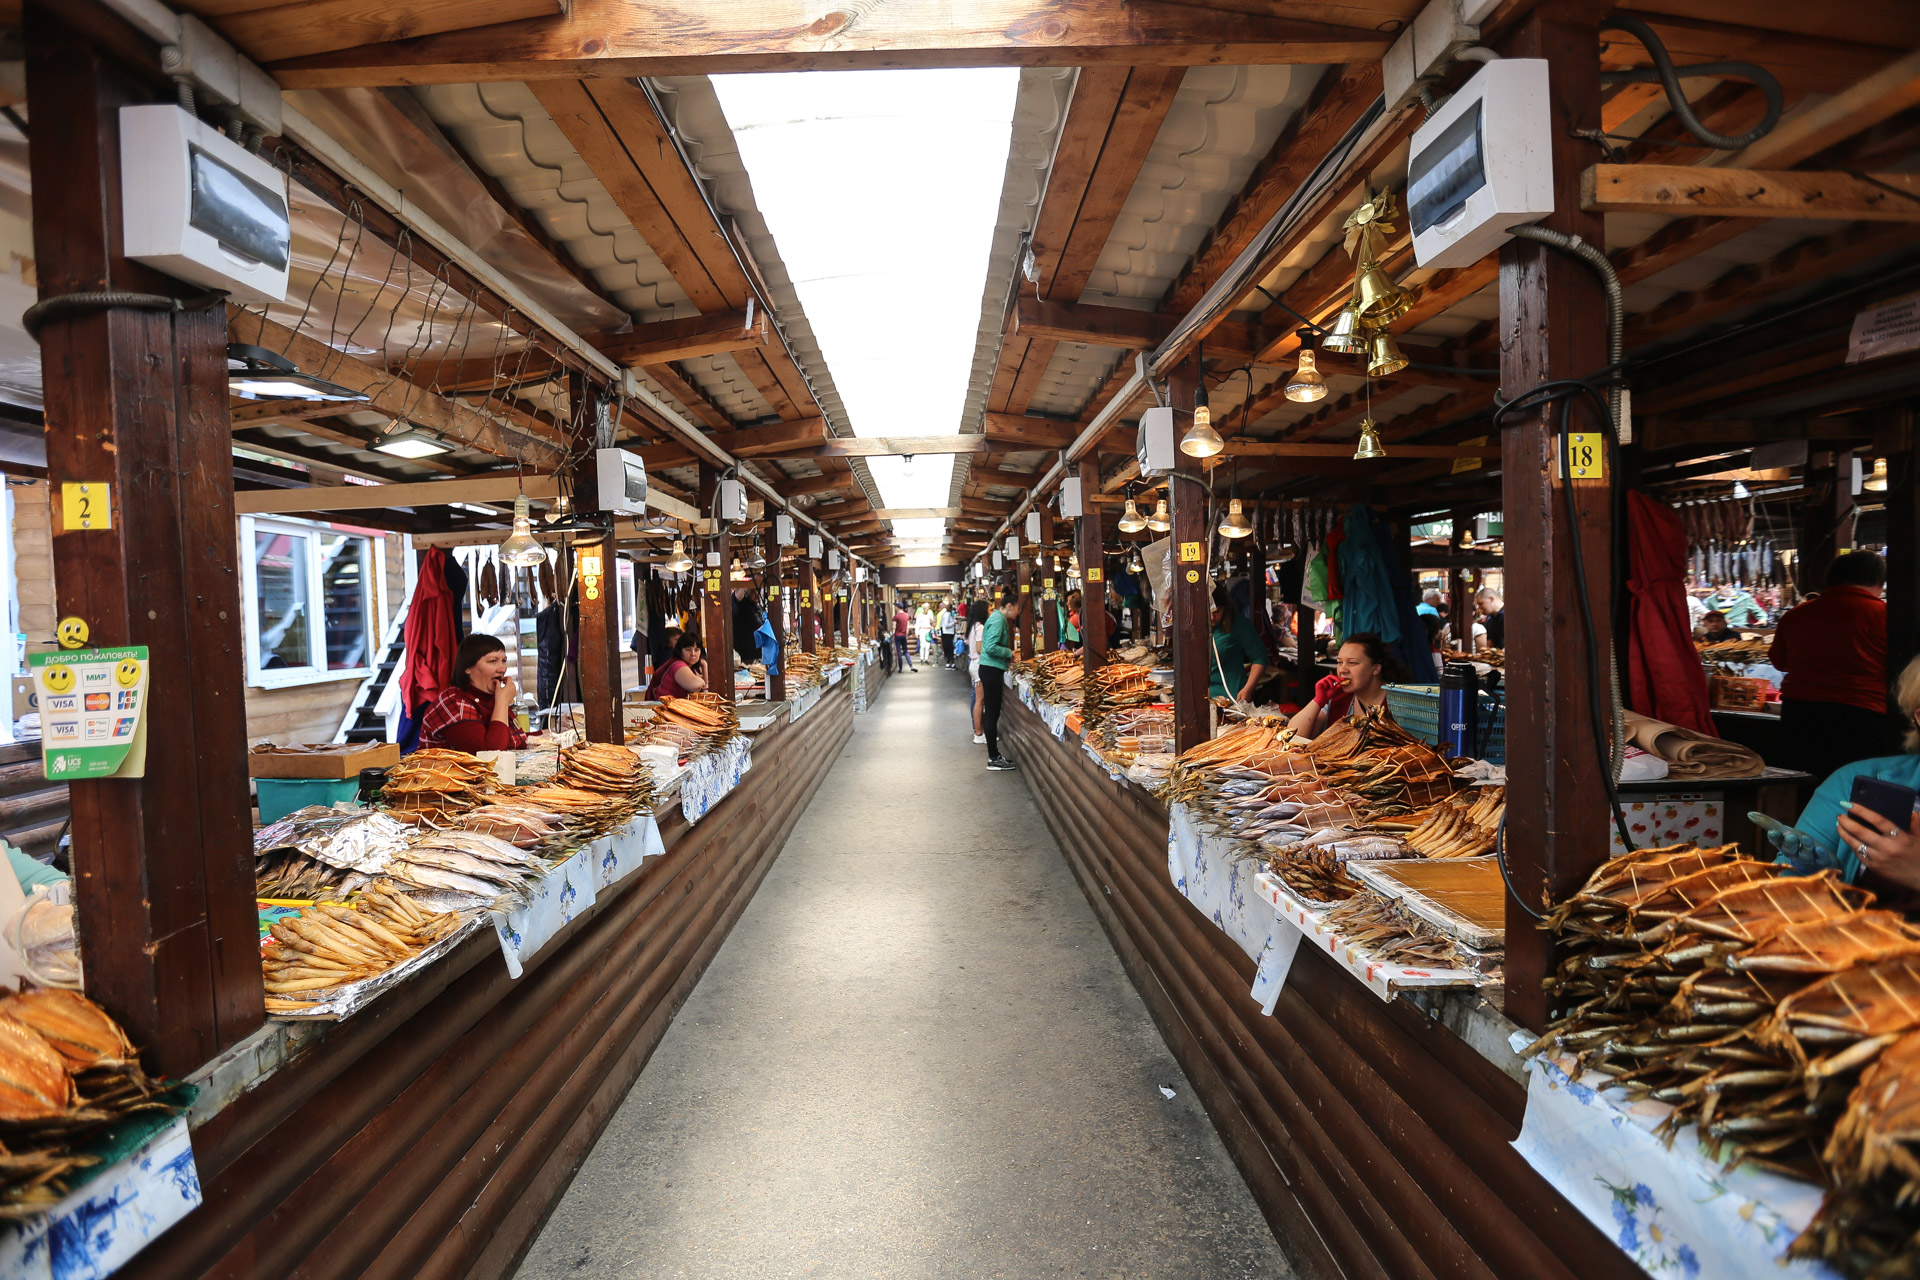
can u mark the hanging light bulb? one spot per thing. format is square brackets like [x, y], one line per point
[1134, 563]
[1160, 521]
[1073, 563]
[562, 508]
[1370, 446]
[520, 550]
[1235, 524]
[1383, 356]
[1306, 385]
[1876, 479]
[1131, 521]
[759, 559]
[678, 561]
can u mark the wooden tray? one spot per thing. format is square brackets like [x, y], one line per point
[1464, 898]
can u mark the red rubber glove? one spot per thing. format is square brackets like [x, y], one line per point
[1327, 690]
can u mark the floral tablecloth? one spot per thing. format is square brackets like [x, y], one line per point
[713, 775]
[1674, 1211]
[1222, 886]
[561, 896]
[100, 1226]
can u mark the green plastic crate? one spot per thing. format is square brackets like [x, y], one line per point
[281, 796]
[1417, 708]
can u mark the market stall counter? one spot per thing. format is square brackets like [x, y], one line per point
[1374, 1124]
[430, 1132]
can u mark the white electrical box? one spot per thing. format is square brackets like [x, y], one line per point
[813, 546]
[1070, 507]
[199, 207]
[1013, 546]
[730, 500]
[622, 480]
[1481, 164]
[713, 559]
[833, 561]
[1033, 526]
[783, 529]
[996, 562]
[1155, 444]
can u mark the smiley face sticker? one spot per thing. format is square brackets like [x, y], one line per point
[71, 632]
[59, 679]
[127, 673]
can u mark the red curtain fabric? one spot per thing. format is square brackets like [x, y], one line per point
[429, 634]
[1664, 677]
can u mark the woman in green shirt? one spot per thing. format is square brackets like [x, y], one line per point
[1239, 656]
[996, 655]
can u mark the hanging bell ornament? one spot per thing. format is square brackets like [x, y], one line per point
[1370, 446]
[1383, 357]
[1378, 298]
[1348, 336]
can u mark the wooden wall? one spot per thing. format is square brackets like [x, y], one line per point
[1374, 1139]
[431, 1135]
[33, 562]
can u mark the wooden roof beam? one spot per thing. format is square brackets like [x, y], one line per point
[1733, 193]
[616, 39]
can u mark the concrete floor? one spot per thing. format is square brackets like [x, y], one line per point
[916, 1056]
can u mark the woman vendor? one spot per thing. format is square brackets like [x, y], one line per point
[1359, 680]
[1865, 847]
[475, 712]
[685, 671]
[1239, 655]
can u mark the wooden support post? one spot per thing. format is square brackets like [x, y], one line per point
[1903, 539]
[1024, 576]
[1553, 322]
[807, 602]
[1093, 572]
[716, 593]
[1460, 586]
[1826, 519]
[599, 595]
[1305, 672]
[1049, 586]
[136, 401]
[1192, 641]
[776, 616]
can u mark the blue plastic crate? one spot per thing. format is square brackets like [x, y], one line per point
[279, 797]
[1417, 708]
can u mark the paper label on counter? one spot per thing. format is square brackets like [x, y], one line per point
[1276, 961]
[93, 712]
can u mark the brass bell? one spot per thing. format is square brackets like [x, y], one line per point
[1378, 298]
[1384, 357]
[1348, 335]
[1370, 446]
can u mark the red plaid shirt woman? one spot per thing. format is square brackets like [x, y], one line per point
[462, 717]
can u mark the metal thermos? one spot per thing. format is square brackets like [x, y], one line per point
[1459, 708]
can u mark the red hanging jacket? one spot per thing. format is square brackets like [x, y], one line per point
[429, 634]
[1664, 677]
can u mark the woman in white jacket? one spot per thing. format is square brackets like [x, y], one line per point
[976, 632]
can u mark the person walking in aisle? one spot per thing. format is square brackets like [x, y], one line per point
[996, 655]
[977, 612]
[923, 627]
[903, 657]
[948, 624]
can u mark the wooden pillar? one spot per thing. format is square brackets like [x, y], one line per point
[1461, 584]
[776, 615]
[599, 593]
[1903, 539]
[716, 591]
[1024, 576]
[1306, 673]
[807, 602]
[1553, 322]
[1049, 586]
[1192, 643]
[1093, 571]
[137, 401]
[1826, 518]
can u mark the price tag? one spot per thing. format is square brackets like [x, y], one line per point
[1586, 456]
[1191, 552]
[88, 505]
[1096, 575]
[774, 591]
[1047, 583]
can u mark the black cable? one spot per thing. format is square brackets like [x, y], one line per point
[1669, 76]
[66, 304]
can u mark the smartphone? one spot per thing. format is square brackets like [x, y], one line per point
[1890, 800]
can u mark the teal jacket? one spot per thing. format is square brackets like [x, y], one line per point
[996, 642]
[1821, 818]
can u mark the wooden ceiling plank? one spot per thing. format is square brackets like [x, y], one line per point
[1136, 124]
[1008, 430]
[1083, 133]
[685, 338]
[617, 39]
[284, 31]
[1736, 193]
[688, 393]
[1888, 91]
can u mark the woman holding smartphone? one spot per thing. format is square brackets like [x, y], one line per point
[1866, 845]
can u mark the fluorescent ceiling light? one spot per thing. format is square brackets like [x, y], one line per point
[882, 189]
[255, 373]
[411, 444]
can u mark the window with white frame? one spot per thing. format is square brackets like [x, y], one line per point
[629, 600]
[310, 602]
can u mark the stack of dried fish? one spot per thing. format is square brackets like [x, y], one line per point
[711, 718]
[435, 786]
[319, 852]
[1056, 675]
[1743, 652]
[1464, 825]
[457, 870]
[1391, 933]
[1233, 749]
[616, 770]
[1315, 875]
[804, 670]
[1114, 687]
[1869, 1226]
[591, 813]
[1486, 657]
[1744, 997]
[522, 825]
[332, 945]
[67, 1073]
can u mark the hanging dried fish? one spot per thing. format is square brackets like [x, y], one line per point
[489, 585]
[546, 581]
